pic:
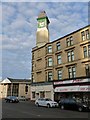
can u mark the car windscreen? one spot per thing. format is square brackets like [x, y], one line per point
[72, 101]
[13, 97]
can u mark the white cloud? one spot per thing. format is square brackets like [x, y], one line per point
[0, 13]
[7, 11]
[19, 30]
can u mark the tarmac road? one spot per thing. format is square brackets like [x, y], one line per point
[27, 109]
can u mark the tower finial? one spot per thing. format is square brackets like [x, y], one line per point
[42, 14]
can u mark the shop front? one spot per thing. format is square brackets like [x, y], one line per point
[77, 88]
[42, 90]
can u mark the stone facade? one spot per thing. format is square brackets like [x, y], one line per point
[70, 56]
[16, 87]
[63, 59]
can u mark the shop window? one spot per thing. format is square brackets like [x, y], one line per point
[86, 97]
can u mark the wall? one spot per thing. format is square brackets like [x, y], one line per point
[22, 90]
[48, 89]
[40, 58]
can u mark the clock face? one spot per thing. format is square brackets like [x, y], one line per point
[41, 23]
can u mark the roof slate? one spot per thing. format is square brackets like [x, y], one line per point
[19, 80]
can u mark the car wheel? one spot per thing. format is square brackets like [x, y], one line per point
[48, 105]
[62, 107]
[37, 104]
[80, 109]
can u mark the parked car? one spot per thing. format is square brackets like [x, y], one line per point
[12, 99]
[21, 98]
[46, 102]
[70, 103]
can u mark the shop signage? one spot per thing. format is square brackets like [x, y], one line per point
[72, 81]
[84, 88]
[66, 89]
[73, 88]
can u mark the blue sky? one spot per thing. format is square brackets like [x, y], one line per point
[19, 27]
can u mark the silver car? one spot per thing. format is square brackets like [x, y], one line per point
[46, 102]
[21, 98]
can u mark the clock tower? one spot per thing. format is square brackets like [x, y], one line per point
[42, 35]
